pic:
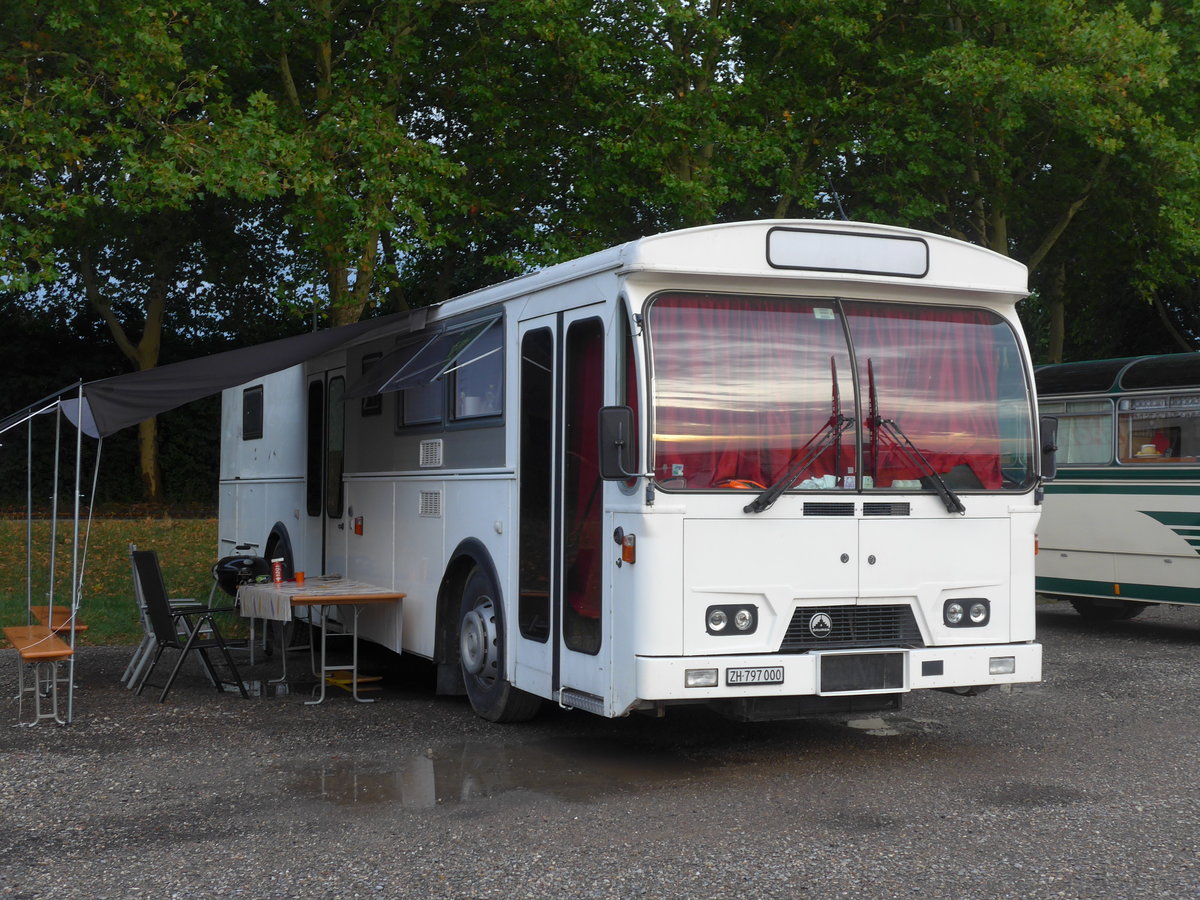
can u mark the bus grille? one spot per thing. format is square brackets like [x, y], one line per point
[853, 626]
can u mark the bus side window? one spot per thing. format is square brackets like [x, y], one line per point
[1085, 431]
[1150, 432]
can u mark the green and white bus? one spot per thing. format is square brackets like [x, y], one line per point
[1121, 523]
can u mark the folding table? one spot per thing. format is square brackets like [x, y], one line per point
[279, 601]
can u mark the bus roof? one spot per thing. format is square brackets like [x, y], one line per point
[1130, 373]
[811, 249]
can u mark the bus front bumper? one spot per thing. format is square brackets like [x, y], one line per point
[832, 673]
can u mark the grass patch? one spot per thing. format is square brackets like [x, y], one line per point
[187, 549]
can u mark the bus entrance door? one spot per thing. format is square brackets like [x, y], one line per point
[560, 651]
[537, 413]
[583, 670]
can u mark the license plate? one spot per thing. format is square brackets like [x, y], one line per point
[761, 675]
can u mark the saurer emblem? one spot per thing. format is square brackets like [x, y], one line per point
[820, 625]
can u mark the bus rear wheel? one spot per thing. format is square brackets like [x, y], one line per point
[481, 649]
[1108, 610]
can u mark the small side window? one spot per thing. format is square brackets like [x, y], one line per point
[372, 405]
[252, 413]
[421, 405]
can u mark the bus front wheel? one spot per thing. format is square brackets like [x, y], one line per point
[1108, 610]
[481, 648]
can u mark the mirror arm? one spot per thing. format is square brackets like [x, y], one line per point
[619, 443]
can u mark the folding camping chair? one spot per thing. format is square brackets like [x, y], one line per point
[145, 650]
[184, 629]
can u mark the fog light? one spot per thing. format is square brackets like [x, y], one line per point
[978, 613]
[743, 619]
[717, 620]
[699, 678]
[954, 613]
[1002, 665]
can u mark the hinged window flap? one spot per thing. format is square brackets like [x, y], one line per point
[416, 365]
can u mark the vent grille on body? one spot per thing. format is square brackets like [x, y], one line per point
[829, 509]
[431, 504]
[887, 509]
[431, 453]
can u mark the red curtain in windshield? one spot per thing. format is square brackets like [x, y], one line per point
[741, 385]
[934, 372]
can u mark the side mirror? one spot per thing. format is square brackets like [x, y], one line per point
[1048, 428]
[618, 455]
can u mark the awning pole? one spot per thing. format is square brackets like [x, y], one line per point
[29, 524]
[54, 502]
[76, 563]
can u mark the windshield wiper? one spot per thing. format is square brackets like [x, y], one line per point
[830, 433]
[876, 424]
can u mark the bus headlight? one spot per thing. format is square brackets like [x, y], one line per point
[731, 619]
[972, 612]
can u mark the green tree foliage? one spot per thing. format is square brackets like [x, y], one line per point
[1039, 131]
[176, 164]
[360, 178]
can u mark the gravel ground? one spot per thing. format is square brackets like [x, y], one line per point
[1084, 786]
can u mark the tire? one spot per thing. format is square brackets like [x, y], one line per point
[1108, 610]
[481, 643]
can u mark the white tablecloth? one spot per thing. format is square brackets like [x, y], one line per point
[274, 601]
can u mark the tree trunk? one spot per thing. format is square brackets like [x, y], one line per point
[151, 471]
[145, 352]
[1057, 309]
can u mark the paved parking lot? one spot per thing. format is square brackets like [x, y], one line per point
[1086, 785]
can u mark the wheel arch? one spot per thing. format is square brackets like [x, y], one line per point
[279, 544]
[469, 554]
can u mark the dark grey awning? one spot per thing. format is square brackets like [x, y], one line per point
[115, 403]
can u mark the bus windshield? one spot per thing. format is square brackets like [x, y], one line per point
[748, 389]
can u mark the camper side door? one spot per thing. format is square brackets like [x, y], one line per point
[325, 488]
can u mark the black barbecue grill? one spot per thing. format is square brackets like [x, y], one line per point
[231, 571]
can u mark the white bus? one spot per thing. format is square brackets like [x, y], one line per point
[1122, 525]
[780, 467]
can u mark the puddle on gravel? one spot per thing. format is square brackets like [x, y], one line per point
[892, 727]
[566, 769]
[260, 689]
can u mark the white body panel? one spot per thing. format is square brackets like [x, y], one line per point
[262, 479]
